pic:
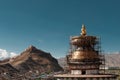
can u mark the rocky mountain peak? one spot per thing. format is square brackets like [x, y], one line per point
[31, 48]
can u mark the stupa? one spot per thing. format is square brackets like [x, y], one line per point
[85, 59]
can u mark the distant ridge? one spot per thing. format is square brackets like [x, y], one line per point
[111, 60]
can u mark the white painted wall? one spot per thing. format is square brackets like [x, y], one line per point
[75, 71]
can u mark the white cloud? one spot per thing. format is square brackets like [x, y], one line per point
[5, 54]
[12, 54]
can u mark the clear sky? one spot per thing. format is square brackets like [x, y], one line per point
[48, 24]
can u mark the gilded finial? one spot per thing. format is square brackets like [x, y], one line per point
[83, 30]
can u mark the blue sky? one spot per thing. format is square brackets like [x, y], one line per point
[48, 24]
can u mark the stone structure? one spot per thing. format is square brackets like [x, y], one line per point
[85, 59]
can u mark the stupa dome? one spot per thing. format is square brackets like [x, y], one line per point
[80, 55]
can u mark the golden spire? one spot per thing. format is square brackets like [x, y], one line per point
[83, 30]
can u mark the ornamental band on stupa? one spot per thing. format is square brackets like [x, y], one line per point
[85, 59]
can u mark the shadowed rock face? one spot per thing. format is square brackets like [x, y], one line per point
[31, 59]
[7, 68]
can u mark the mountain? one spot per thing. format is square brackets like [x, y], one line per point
[30, 61]
[35, 59]
[111, 60]
[62, 62]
